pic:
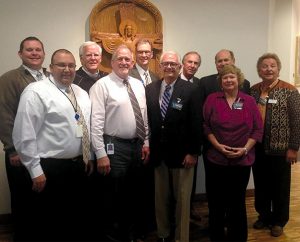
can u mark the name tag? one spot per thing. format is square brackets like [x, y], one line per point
[238, 105]
[110, 149]
[272, 101]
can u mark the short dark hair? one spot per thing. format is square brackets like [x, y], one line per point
[143, 41]
[28, 39]
[60, 51]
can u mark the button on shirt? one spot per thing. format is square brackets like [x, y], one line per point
[45, 125]
[112, 113]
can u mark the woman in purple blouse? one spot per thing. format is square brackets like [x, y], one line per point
[232, 124]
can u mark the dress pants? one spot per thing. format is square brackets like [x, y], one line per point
[21, 196]
[272, 180]
[123, 206]
[226, 201]
[179, 182]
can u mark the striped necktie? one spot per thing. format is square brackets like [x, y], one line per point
[81, 121]
[147, 79]
[165, 101]
[140, 126]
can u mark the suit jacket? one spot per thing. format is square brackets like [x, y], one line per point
[180, 132]
[135, 73]
[12, 85]
[83, 80]
[210, 84]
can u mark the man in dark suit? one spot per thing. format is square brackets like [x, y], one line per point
[174, 115]
[210, 84]
[141, 70]
[191, 62]
[90, 58]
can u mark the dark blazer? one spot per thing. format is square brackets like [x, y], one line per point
[180, 132]
[135, 73]
[83, 80]
[210, 84]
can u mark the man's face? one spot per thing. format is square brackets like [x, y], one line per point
[91, 58]
[170, 67]
[63, 68]
[122, 63]
[143, 55]
[223, 58]
[191, 64]
[32, 54]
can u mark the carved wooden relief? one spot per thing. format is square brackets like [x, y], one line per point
[113, 22]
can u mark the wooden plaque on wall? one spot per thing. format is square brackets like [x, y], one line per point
[113, 22]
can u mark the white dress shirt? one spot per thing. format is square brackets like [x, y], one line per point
[142, 74]
[35, 72]
[112, 113]
[184, 78]
[45, 124]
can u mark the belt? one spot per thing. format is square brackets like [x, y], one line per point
[112, 138]
[77, 158]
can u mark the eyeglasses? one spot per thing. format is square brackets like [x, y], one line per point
[63, 66]
[147, 52]
[171, 64]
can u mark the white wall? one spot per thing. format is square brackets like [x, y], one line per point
[202, 25]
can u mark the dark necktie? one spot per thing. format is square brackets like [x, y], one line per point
[81, 121]
[140, 126]
[165, 101]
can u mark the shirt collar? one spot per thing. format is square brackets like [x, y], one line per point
[33, 72]
[91, 74]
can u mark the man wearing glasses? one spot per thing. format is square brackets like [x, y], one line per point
[119, 134]
[144, 54]
[52, 121]
[174, 115]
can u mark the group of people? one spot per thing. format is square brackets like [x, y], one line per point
[113, 156]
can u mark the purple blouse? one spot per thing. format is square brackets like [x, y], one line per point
[232, 127]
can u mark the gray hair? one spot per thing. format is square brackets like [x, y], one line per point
[89, 43]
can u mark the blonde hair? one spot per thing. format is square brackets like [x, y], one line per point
[233, 70]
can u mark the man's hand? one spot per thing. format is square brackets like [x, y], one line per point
[15, 160]
[189, 161]
[39, 183]
[145, 154]
[103, 165]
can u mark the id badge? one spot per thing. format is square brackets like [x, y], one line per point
[110, 149]
[272, 101]
[238, 105]
[79, 131]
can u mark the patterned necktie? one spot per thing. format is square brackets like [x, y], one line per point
[39, 76]
[147, 79]
[81, 121]
[140, 126]
[165, 101]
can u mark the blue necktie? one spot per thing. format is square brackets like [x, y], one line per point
[165, 101]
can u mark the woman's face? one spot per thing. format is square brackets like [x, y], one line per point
[268, 70]
[230, 82]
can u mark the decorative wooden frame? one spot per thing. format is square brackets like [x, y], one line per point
[110, 19]
[297, 62]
